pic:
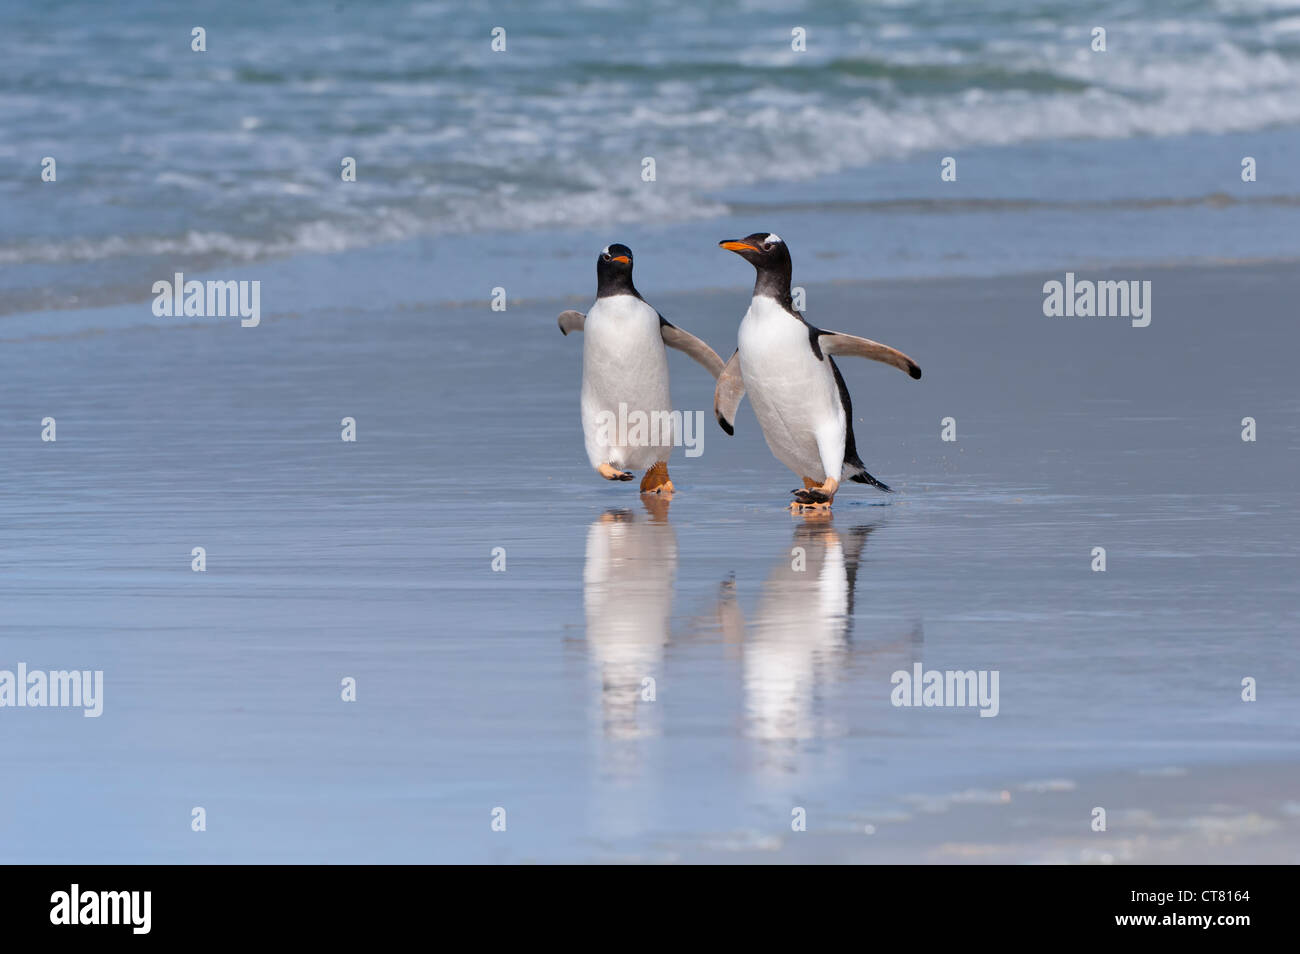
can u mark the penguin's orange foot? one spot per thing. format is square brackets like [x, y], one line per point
[613, 473]
[815, 496]
[656, 480]
[812, 496]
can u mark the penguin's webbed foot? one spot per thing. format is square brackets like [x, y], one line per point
[811, 496]
[815, 496]
[610, 472]
[656, 480]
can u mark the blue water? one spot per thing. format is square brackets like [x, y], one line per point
[520, 689]
[172, 159]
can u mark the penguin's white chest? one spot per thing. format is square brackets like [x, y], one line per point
[794, 394]
[624, 383]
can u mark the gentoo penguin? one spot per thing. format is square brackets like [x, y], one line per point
[626, 410]
[797, 391]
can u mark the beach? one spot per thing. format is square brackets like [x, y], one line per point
[522, 688]
[312, 567]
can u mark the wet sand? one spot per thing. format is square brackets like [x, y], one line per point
[1167, 815]
[525, 689]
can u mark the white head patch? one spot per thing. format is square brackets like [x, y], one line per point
[774, 238]
[605, 250]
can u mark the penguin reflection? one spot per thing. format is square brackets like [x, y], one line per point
[628, 593]
[798, 636]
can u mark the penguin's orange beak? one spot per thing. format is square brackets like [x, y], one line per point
[733, 246]
[620, 258]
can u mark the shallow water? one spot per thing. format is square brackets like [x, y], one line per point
[521, 689]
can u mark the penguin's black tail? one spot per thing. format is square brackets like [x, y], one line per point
[855, 471]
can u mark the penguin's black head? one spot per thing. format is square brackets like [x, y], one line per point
[614, 271]
[763, 250]
[771, 259]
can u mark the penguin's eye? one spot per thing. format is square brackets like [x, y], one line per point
[768, 246]
[605, 256]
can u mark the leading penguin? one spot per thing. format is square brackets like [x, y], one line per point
[625, 375]
[799, 397]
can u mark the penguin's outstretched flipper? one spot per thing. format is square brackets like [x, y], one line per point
[834, 342]
[689, 345]
[571, 321]
[728, 394]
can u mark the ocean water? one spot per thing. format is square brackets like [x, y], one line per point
[523, 689]
[168, 158]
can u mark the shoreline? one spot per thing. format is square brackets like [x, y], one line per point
[18, 328]
[984, 225]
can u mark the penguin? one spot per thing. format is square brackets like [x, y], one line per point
[798, 393]
[626, 409]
